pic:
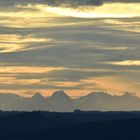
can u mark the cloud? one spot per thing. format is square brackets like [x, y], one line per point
[126, 63]
[31, 41]
[122, 1]
[73, 8]
[15, 43]
[23, 2]
[76, 3]
[73, 3]
[52, 2]
[66, 75]
[86, 2]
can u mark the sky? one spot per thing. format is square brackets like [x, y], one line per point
[78, 46]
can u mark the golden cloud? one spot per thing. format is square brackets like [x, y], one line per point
[27, 69]
[14, 43]
[108, 10]
[126, 63]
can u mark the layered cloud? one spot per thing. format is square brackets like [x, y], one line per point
[15, 43]
[49, 45]
[73, 8]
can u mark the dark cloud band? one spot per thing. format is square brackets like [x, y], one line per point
[66, 2]
[74, 2]
[86, 2]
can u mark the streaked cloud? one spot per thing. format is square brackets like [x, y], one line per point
[105, 11]
[14, 43]
[78, 46]
[26, 69]
[126, 63]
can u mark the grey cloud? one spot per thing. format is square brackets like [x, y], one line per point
[73, 3]
[66, 75]
[86, 2]
[39, 86]
[122, 1]
[14, 2]
[74, 56]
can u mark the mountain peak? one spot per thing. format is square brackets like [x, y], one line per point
[60, 95]
[98, 94]
[37, 96]
[129, 94]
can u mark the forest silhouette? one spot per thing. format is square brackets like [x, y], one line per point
[79, 125]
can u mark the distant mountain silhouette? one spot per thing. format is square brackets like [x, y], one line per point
[39, 102]
[61, 102]
[60, 96]
[38, 97]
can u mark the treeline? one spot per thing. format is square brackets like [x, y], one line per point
[96, 125]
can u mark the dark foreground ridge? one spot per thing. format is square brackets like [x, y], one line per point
[78, 125]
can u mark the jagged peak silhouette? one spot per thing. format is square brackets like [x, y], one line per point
[60, 95]
[38, 96]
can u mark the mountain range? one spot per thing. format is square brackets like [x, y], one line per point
[61, 102]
